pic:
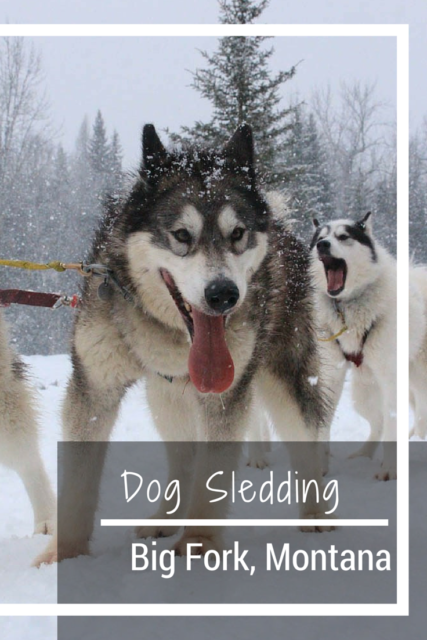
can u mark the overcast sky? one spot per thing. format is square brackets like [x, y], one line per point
[146, 80]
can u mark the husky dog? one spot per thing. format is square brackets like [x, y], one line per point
[355, 285]
[418, 348]
[209, 301]
[18, 435]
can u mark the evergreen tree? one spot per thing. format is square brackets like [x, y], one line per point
[60, 205]
[99, 160]
[49, 201]
[418, 197]
[307, 180]
[385, 208]
[83, 217]
[115, 171]
[241, 88]
[98, 146]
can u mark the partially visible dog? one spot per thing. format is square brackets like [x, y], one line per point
[18, 435]
[355, 293]
[418, 348]
[209, 301]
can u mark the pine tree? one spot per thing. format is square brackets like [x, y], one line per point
[99, 159]
[115, 171]
[241, 88]
[98, 146]
[418, 197]
[85, 203]
[307, 179]
[385, 208]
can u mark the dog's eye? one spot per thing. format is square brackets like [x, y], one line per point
[237, 234]
[343, 237]
[182, 235]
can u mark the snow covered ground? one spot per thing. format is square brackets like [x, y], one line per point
[20, 583]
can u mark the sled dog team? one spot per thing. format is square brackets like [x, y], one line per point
[212, 293]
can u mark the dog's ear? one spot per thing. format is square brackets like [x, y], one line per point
[240, 147]
[316, 223]
[153, 152]
[365, 224]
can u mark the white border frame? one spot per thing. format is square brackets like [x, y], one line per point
[401, 33]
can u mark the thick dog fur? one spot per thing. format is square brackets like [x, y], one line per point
[368, 304]
[18, 435]
[185, 214]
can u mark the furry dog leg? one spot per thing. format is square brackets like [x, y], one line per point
[19, 451]
[88, 417]
[418, 385]
[389, 465]
[294, 425]
[31, 469]
[224, 425]
[259, 443]
[19, 447]
[334, 370]
[368, 402]
[167, 401]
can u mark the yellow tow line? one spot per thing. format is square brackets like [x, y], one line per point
[37, 266]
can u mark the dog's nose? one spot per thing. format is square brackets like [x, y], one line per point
[221, 295]
[323, 245]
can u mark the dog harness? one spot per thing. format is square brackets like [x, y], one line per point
[357, 358]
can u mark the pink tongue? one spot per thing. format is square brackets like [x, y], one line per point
[210, 364]
[335, 279]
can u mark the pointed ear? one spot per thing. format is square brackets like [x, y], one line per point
[366, 223]
[153, 152]
[240, 147]
[316, 223]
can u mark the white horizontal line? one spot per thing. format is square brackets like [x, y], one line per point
[203, 30]
[210, 609]
[243, 523]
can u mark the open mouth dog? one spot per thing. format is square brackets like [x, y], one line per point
[210, 364]
[336, 273]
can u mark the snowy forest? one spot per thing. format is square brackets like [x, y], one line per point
[333, 155]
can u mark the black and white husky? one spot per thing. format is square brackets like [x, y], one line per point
[208, 295]
[355, 293]
[18, 435]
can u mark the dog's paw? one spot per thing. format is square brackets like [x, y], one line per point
[366, 451]
[48, 556]
[54, 553]
[258, 462]
[44, 527]
[418, 432]
[155, 532]
[386, 473]
[204, 544]
[312, 526]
